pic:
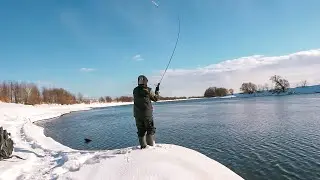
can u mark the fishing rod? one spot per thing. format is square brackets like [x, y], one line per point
[172, 53]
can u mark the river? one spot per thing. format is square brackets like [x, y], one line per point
[257, 138]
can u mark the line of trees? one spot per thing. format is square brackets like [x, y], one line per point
[124, 99]
[56, 96]
[217, 92]
[195, 97]
[106, 99]
[303, 83]
[171, 98]
[130, 99]
[248, 88]
[29, 93]
[279, 83]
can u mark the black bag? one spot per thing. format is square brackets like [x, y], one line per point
[6, 144]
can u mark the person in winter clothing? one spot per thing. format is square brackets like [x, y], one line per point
[143, 111]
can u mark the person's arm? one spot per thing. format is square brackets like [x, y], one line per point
[154, 96]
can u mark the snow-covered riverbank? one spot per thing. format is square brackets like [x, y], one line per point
[47, 159]
[291, 91]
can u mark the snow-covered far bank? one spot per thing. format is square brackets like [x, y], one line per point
[172, 100]
[291, 91]
[48, 159]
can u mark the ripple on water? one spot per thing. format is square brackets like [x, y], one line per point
[286, 173]
[258, 138]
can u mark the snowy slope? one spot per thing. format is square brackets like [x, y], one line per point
[47, 159]
[160, 162]
[30, 141]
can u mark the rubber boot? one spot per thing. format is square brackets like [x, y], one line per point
[142, 141]
[150, 140]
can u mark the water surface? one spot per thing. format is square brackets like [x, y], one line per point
[258, 138]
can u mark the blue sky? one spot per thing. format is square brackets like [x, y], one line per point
[49, 42]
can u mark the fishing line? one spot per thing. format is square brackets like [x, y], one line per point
[172, 52]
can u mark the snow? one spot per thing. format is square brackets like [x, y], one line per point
[48, 159]
[291, 91]
[161, 162]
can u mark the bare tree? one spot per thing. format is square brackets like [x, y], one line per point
[80, 98]
[5, 92]
[17, 92]
[210, 92]
[11, 91]
[231, 91]
[29, 93]
[45, 96]
[214, 92]
[303, 83]
[266, 87]
[33, 94]
[248, 88]
[26, 89]
[281, 84]
[1, 92]
[62, 96]
[124, 99]
[221, 92]
[108, 99]
[260, 88]
[102, 100]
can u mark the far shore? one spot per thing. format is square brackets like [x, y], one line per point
[97, 105]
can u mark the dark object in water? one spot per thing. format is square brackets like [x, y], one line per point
[87, 140]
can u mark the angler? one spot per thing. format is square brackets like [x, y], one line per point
[143, 111]
[142, 108]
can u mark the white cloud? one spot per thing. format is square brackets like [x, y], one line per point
[258, 69]
[137, 57]
[87, 69]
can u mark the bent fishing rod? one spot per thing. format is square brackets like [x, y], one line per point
[174, 49]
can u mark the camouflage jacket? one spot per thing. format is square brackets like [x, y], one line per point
[142, 97]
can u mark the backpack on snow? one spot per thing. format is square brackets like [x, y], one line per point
[6, 144]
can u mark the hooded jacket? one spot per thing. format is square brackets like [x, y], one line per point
[142, 96]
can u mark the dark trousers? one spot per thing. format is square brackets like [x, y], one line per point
[144, 125]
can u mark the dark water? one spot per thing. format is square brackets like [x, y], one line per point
[258, 138]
